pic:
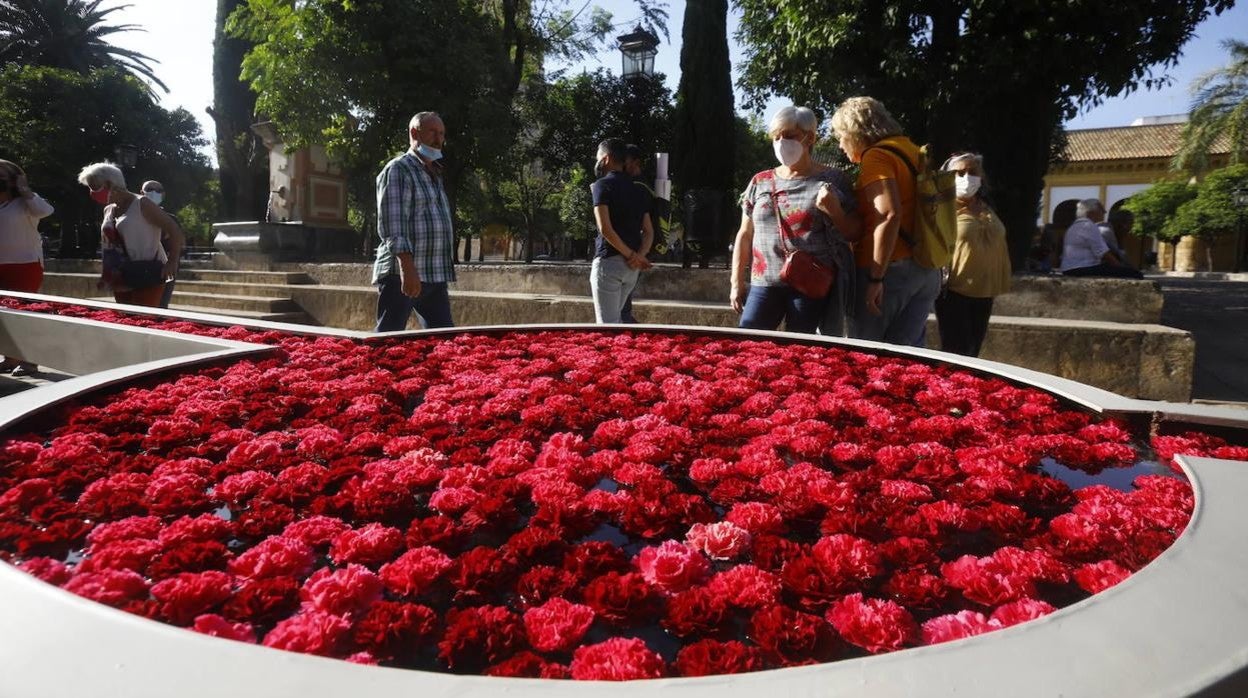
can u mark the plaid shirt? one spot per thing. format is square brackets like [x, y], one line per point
[413, 217]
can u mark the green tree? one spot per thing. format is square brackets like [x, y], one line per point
[67, 34]
[576, 208]
[1219, 108]
[350, 75]
[53, 122]
[1212, 213]
[242, 159]
[528, 194]
[573, 115]
[997, 76]
[702, 156]
[1154, 207]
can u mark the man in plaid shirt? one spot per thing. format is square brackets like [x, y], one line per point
[414, 262]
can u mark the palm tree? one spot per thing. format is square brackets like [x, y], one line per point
[1219, 109]
[67, 34]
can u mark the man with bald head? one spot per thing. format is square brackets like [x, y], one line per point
[414, 258]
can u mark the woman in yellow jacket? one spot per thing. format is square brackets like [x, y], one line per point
[980, 269]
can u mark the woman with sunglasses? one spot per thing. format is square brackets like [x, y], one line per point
[21, 248]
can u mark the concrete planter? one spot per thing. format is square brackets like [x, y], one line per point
[1172, 629]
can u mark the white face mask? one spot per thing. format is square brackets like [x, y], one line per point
[788, 151]
[967, 184]
[155, 196]
[429, 152]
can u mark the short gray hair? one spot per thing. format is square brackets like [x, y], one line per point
[420, 118]
[98, 174]
[793, 117]
[1083, 208]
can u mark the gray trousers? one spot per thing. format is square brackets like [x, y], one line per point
[909, 294]
[611, 280]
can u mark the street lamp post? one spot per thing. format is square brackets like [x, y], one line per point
[127, 156]
[638, 49]
[1240, 197]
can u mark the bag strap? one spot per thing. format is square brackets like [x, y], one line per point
[914, 172]
[785, 231]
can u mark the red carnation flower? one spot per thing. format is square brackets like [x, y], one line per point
[341, 592]
[558, 625]
[527, 665]
[110, 587]
[695, 612]
[316, 531]
[875, 625]
[956, 626]
[216, 626]
[723, 540]
[617, 659]
[791, 637]
[393, 628]
[1096, 577]
[274, 557]
[415, 571]
[622, 599]
[263, 601]
[190, 594]
[310, 632]
[369, 545]
[714, 658]
[1021, 611]
[847, 561]
[478, 636]
[746, 586]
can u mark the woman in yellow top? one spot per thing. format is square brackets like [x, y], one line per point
[980, 269]
[894, 293]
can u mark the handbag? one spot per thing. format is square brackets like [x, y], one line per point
[802, 271]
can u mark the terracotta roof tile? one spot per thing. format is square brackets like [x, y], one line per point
[1129, 143]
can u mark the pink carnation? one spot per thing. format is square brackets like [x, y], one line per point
[310, 632]
[723, 540]
[672, 567]
[956, 626]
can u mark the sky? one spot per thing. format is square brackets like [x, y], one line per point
[178, 35]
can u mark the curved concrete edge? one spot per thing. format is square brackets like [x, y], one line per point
[202, 318]
[1172, 629]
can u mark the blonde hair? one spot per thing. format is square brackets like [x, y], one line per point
[98, 174]
[793, 117]
[864, 120]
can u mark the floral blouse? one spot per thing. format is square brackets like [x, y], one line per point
[808, 228]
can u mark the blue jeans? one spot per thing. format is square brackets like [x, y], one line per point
[767, 306]
[611, 281]
[393, 308]
[909, 294]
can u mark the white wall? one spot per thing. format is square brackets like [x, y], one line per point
[1059, 194]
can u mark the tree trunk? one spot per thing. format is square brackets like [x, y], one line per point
[703, 154]
[242, 159]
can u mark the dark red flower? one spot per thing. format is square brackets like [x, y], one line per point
[617, 659]
[713, 657]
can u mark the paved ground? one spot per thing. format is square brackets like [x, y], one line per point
[1216, 313]
[14, 384]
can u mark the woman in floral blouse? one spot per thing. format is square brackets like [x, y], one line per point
[817, 205]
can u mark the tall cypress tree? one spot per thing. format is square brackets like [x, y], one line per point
[242, 159]
[703, 156]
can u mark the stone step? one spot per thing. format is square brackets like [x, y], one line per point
[297, 317]
[223, 301]
[293, 316]
[231, 288]
[244, 277]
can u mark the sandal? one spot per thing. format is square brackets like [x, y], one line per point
[25, 368]
[9, 364]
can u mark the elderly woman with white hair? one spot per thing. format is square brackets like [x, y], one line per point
[980, 268]
[801, 206]
[894, 293]
[136, 265]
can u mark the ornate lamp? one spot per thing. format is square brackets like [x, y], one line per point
[638, 48]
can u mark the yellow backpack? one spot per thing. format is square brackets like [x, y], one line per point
[936, 213]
